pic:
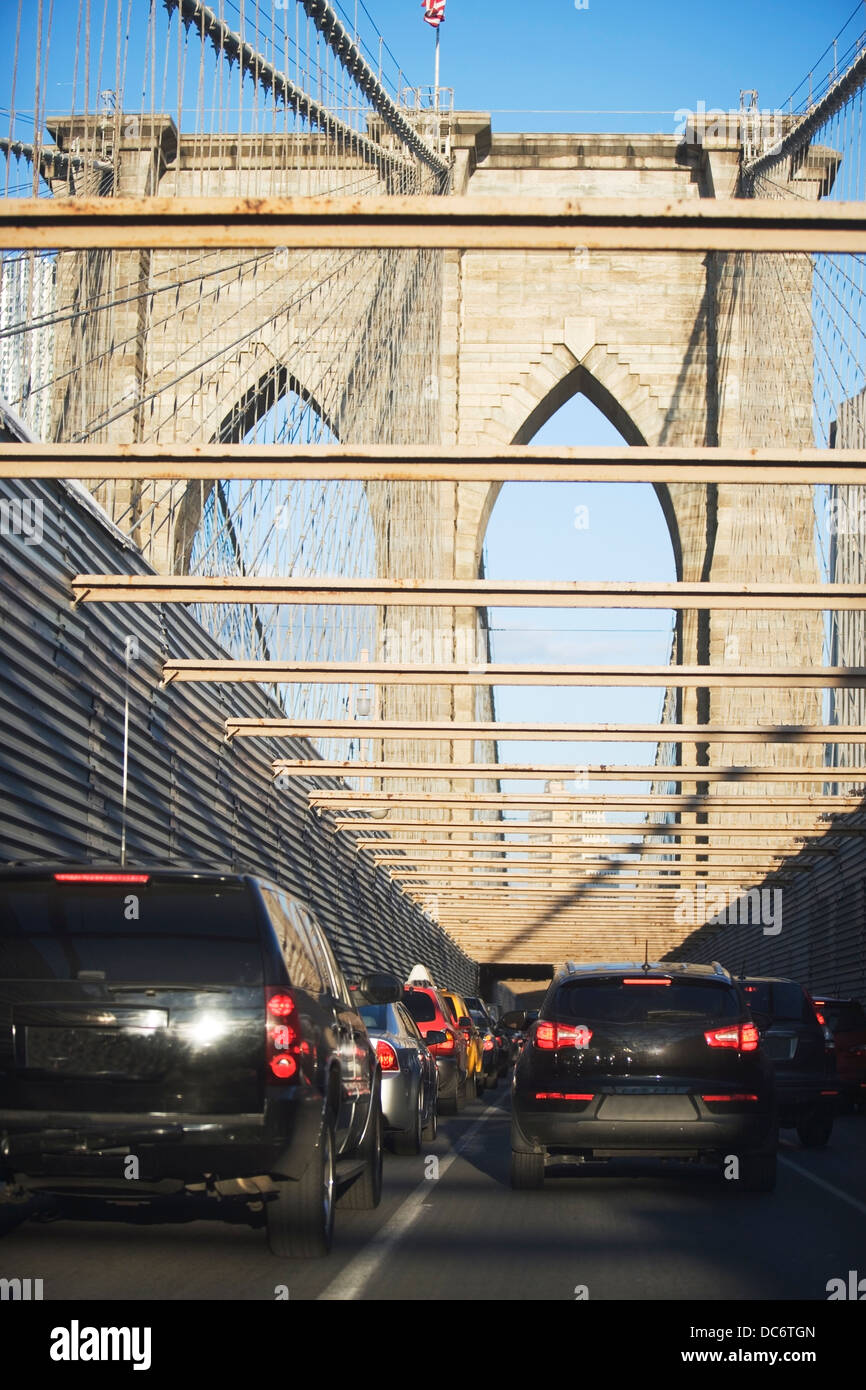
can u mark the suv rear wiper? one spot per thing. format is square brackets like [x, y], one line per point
[190, 989]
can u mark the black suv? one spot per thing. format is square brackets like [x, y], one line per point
[643, 1060]
[801, 1047]
[173, 1031]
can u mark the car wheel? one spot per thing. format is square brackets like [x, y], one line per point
[432, 1126]
[365, 1192]
[408, 1141]
[449, 1105]
[300, 1218]
[815, 1128]
[462, 1094]
[527, 1171]
[758, 1172]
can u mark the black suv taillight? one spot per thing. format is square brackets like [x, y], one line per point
[284, 1042]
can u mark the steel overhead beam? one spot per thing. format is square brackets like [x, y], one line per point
[349, 729]
[458, 851]
[529, 772]
[431, 463]
[427, 223]
[502, 673]
[457, 593]
[545, 800]
[646, 830]
[570, 859]
[565, 883]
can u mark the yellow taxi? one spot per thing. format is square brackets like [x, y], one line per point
[474, 1042]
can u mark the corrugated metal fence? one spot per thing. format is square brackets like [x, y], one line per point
[821, 921]
[192, 796]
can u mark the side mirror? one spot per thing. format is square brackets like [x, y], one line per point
[515, 1020]
[381, 987]
[435, 1036]
[465, 1022]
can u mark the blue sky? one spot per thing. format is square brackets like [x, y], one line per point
[612, 55]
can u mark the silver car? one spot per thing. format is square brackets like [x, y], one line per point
[409, 1077]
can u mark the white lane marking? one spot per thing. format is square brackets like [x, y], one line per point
[821, 1182]
[349, 1283]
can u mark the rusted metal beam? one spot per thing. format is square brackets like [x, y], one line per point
[426, 463]
[546, 800]
[426, 223]
[805, 825]
[528, 772]
[428, 593]
[502, 673]
[351, 729]
[466, 851]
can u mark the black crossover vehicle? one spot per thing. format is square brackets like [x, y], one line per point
[800, 1045]
[169, 1032]
[655, 1060]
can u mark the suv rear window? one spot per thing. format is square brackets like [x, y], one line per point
[611, 1001]
[780, 1000]
[420, 1006]
[844, 1018]
[184, 933]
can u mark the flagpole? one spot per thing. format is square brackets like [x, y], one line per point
[436, 72]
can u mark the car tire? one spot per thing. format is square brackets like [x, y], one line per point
[758, 1172]
[449, 1105]
[462, 1094]
[300, 1218]
[407, 1142]
[527, 1171]
[814, 1128]
[365, 1192]
[432, 1126]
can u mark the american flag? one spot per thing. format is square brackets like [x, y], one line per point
[434, 12]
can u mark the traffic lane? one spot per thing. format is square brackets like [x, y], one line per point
[641, 1233]
[108, 1260]
[841, 1162]
[628, 1230]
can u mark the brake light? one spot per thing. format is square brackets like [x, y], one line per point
[489, 1044]
[447, 1046]
[649, 980]
[550, 1036]
[387, 1056]
[711, 1099]
[744, 1037]
[102, 878]
[284, 1042]
[821, 1019]
[562, 1095]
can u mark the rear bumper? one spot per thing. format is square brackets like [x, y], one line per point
[449, 1073]
[805, 1093]
[64, 1145]
[555, 1127]
[397, 1097]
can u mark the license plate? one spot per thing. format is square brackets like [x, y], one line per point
[135, 1053]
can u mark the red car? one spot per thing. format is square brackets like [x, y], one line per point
[846, 1019]
[444, 1039]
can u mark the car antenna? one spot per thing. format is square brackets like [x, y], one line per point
[646, 964]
